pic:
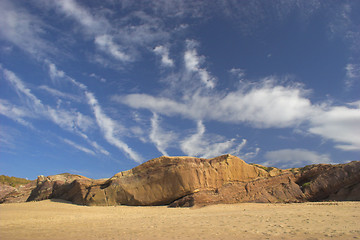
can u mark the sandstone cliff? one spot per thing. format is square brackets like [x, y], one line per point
[188, 181]
[162, 180]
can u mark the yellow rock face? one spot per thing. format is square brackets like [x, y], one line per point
[165, 179]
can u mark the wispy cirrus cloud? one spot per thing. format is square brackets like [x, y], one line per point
[198, 144]
[161, 138]
[120, 39]
[79, 147]
[59, 94]
[352, 75]
[97, 27]
[163, 52]
[69, 120]
[65, 119]
[107, 44]
[23, 29]
[90, 23]
[15, 113]
[108, 126]
[193, 65]
[238, 72]
[101, 79]
[94, 144]
[54, 73]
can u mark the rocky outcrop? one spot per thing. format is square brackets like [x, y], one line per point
[188, 181]
[64, 186]
[14, 194]
[330, 182]
[162, 180]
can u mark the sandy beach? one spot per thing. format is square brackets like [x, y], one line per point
[61, 220]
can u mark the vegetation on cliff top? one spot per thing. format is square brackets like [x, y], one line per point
[13, 181]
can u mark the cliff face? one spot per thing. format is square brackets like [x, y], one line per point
[188, 181]
[162, 180]
[277, 189]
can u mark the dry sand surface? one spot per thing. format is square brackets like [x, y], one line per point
[61, 220]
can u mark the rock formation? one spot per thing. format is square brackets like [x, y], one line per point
[277, 189]
[188, 181]
[330, 182]
[13, 194]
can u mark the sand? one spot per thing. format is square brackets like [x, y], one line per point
[61, 220]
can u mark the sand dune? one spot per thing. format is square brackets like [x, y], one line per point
[61, 220]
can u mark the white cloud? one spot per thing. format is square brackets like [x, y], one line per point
[203, 146]
[353, 70]
[15, 113]
[103, 80]
[32, 101]
[106, 44]
[139, 29]
[8, 137]
[160, 137]
[108, 127]
[165, 106]
[163, 52]
[54, 72]
[287, 158]
[352, 74]
[84, 17]
[95, 145]
[69, 120]
[73, 120]
[238, 72]
[59, 94]
[22, 29]
[239, 147]
[192, 64]
[262, 106]
[96, 26]
[120, 39]
[250, 155]
[77, 146]
[340, 124]
[63, 118]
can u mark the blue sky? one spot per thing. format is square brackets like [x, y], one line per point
[98, 87]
